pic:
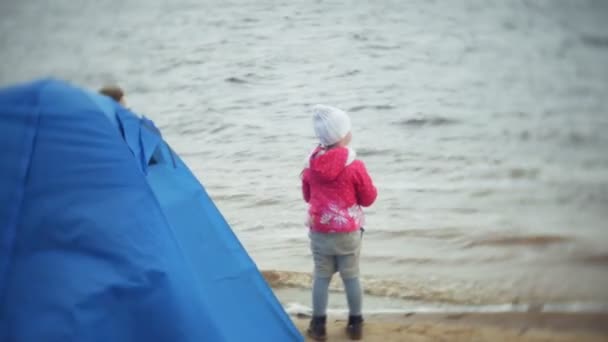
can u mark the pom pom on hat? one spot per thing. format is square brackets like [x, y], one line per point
[331, 124]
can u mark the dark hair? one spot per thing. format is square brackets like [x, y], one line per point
[112, 91]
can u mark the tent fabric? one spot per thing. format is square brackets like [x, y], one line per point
[99, 243]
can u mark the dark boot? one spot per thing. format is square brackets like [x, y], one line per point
[316, 330]
[354, 329]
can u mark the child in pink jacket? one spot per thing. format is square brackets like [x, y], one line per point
[335, 185]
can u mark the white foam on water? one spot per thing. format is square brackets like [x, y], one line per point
[294, 308]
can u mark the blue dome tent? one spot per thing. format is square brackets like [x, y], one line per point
[105, 234]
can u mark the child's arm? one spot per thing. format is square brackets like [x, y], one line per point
[305, 185]
[366, 191]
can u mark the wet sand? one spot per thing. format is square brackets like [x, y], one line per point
[474, 327]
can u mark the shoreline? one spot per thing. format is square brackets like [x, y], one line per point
[508, 326]
[403, 296]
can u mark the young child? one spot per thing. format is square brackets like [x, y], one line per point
[114, 92]
[336, 186]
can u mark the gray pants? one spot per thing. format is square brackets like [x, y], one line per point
[333, 253]
[336, 252]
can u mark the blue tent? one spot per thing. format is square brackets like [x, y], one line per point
[105, 234]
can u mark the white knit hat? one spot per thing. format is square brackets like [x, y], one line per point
[331, 124]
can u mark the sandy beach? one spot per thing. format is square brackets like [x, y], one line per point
[492, 327]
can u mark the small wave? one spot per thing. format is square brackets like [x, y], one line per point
[376, 107]
[359, 37]
[220, 128]
[296, 241]
[264, 203]
[270, 138]
[189, 131]
[425, 297]
[366, 152]
[373, 287]
[482, 193]
[252, 126]
[383, 47]
[441, 234]
[527, 240]
[578, 138]
[429, 121]
[509, 25]
[185, 62]
[521, 173]
[390, 259]
[350, 73]
[595, 41]
[459, 311]
[464, 210]
[595, 259]
[253, 228]
[197, 154]
[595, 164]
[236, 80]
[231, 197]
[232, 108]
[428, 296]
[392, 67]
